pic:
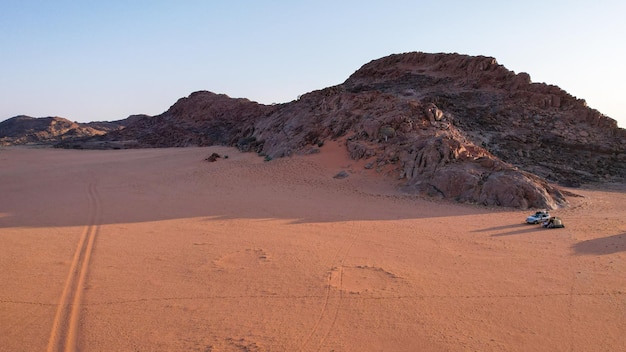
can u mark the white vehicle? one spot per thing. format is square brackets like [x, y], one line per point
[538, 217]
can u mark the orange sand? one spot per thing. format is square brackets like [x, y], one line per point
[159, 250]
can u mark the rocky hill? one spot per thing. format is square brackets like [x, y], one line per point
[448, 125]
[22, 129]
[536, 127]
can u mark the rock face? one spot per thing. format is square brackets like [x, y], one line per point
[203, 118]
[449, 126]
[536, 127]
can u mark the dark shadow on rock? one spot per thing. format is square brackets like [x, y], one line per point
[601, 246]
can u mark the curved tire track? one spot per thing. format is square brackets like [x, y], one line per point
[339, 259]
[341, 297]
[64, 332]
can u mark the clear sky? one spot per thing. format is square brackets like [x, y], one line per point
[104, 60]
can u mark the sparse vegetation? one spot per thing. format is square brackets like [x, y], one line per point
[387, 132]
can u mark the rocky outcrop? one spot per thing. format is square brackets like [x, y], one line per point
[536, 127]
[457, 127]
[48, 130]
[202, 119]
[409, 139]
[447, 125]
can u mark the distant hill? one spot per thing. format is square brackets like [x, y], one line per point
[449, 126]
[22, 129]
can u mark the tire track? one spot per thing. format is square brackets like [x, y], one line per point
[325, 305]
[341, 296]
[64, 332]
[324, 311]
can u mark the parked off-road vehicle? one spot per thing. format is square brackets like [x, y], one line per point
[538, 217]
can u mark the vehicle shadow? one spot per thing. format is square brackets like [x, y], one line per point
[513, 229]
[503, 227]
[601, 246]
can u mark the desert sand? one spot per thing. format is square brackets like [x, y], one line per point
[160, 250]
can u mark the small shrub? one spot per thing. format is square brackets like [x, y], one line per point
[387, 131]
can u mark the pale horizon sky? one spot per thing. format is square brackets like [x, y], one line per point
[106, 60]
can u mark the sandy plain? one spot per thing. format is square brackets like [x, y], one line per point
[159, 250]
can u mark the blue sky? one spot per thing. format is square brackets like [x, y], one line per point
[105, 60]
